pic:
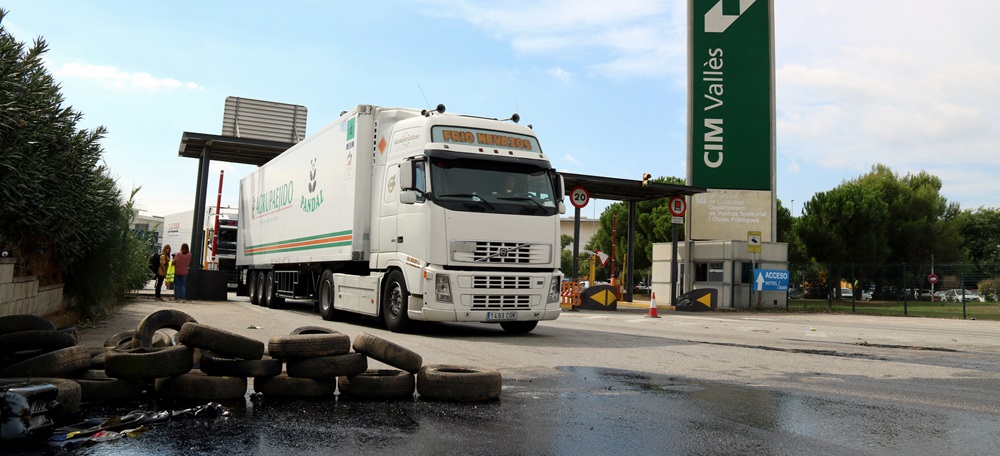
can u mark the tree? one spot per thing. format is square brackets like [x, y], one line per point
[60, 211]
[981, 231]
[653, 225]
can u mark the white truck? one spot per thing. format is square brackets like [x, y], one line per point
[407, 214]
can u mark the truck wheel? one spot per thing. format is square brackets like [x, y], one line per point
[326, 296]
[394, 303]
[272, 300]
[259, 288]
[518, 327]
[252, 288]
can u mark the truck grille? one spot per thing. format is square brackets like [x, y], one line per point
[501, 283]
[500, 302]
[521, 253]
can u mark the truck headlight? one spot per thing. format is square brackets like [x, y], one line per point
[555, 289]
[442, 287]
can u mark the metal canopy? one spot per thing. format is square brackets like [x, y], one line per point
[231, 149]
[610, 188]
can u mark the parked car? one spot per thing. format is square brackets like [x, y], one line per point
[866, 295]
[939, 296]
[846, 293]
[795, 293]
[957, 296]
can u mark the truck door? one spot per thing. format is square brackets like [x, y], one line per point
[388, 209]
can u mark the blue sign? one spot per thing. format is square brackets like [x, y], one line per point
[770, 280]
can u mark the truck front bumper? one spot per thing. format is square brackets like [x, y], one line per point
[487, 297]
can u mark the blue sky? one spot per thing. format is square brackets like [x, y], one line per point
[913, 84]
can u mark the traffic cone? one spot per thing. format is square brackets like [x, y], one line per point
[652, 307]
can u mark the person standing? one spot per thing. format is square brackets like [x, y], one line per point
[181, 262]
[161, 271]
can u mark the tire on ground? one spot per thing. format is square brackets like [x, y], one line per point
[160, 339]
[52, 364]
[164, 318]
[378, 384]
[308, 345]
[220, 341]
[327, 366]
[15, 323]
[96, 386]
[197, 385]
[387, 352]
[313, 330]
[458, 383]
[215, 364]
[142, 363]
[283, 386]
[37, 339]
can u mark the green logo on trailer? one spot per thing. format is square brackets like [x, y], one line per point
[350, 128]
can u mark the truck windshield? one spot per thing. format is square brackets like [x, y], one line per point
[489, 186]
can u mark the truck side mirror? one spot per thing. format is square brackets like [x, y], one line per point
[406, 175]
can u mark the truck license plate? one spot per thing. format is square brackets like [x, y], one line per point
[497, 316]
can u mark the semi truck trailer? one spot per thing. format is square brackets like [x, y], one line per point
[407, 214]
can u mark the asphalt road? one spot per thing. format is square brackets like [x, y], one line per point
[621, 383]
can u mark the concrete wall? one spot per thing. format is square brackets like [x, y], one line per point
[23, 295]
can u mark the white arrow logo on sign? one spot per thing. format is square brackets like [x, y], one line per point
[760, 282]
[716, 22]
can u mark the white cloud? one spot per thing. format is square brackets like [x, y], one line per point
[571, 159]
[114, 78]
[562, 75]
[620, 39]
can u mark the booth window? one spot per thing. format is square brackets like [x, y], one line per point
[708, 272]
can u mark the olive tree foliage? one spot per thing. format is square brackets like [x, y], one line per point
[60, 211]
[653, 225]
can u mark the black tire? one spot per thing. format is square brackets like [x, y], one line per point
[15, 323]
[308, 345]
[458, 383]
[272, 300]
[252, 288]
[69, 392]
[197, 385]
[164, 318]
[39, 339]
[213, 364]
[52, 364]
[160, 339]
[327, 366]
[518, 327]
[96, 386]
[394, 303]
[142, 363]
[283, 386]
[378, 384]
[261, 300]
[313, 330]
[326, 296]
[220, 341]
[387, 352]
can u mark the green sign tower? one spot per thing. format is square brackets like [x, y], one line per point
[731, 94]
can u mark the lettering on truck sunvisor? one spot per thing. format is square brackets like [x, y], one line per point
[484, 138]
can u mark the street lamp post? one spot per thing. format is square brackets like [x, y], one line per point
[793, 208]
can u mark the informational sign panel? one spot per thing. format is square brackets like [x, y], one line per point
[730, 214]
[770, 280]
[731, 98]
[753, 242]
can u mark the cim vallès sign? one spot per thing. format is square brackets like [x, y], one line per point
[731, 102]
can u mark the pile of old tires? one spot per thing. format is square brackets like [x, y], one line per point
[172, 355]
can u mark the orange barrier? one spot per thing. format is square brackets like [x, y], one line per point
[570, 295]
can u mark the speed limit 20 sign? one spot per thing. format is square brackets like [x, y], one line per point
[579, 197]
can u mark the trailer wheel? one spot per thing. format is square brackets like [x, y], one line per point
[326, 296]
[394, 304]
[259, 287]
[252, 288]
[518, 327]
[271, 299]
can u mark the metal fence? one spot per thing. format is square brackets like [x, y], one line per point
[944, 290]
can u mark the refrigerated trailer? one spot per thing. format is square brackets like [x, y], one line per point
[407, 214]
